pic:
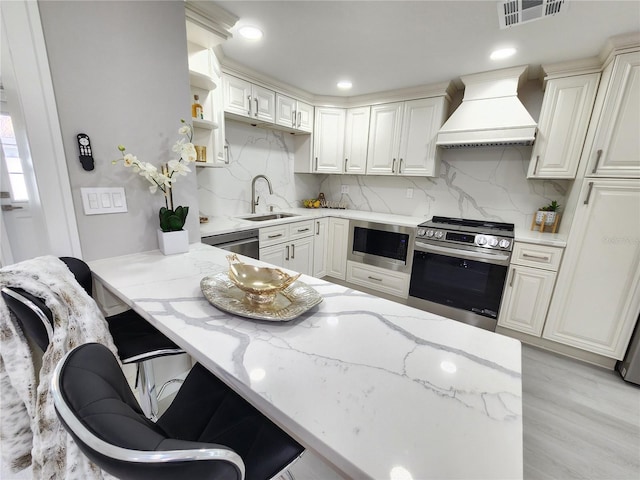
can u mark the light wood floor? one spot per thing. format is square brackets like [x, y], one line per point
[580, 422]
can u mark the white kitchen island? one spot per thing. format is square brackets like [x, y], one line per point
[376, 388]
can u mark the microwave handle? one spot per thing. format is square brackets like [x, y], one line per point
[465, 255]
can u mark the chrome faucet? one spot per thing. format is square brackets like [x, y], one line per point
[254, 200]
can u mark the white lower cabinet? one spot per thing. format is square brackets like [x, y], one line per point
[337, 247]
[597, 298]
[320, 247]
[380, 279]
[530, 282]
[289, 246]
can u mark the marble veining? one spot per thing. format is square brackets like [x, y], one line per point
[480, 183]
[368, 384]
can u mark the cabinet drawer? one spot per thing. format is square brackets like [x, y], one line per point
[380, 279]
[538, 256]
[272, 235]
[301, 229]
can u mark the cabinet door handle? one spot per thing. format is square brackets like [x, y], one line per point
[287, 257]
[316, 164]
[317, 228]
[293, 251]
[299, 119]
[274, 236]
[400, 167]
[537, 257]
[293, 119]
[598, 155]
[374, 278]
[256, 100]
[513, 274]
[586, 200]
[226, 154]
[346, 160]
[393, 166]
[249, 98]
[535, 167]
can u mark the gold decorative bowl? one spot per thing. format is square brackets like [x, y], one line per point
[260, 284]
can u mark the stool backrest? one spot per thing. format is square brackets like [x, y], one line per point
[33, 315]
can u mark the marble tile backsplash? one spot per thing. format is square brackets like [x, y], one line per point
[487, 182]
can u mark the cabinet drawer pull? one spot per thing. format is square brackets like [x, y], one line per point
[586, 200]
[595, 167]
[293, 120]
[535, 167]
[400, 167]
[300, 230]
[393, 166]
[374, 278]
[287, 257]
[293, 251]
[249, 98]
[537, 257]
[256, 100]
[274, 236]
[317, 228]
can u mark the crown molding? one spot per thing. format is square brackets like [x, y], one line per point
[573, 67]
[212, 19]
[619, 44]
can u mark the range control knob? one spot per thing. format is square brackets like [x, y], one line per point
[504, 243]
[481, 240]
[493, 241]
[421, 232]
[429, 233]
[439, 234]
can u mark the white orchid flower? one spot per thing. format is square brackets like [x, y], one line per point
[178, 146]
[129, 160]
[184, 130]
[153, 188]
[178, 167]
[188, 153]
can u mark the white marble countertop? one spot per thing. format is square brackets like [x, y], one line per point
[376, 388]
[226, 224]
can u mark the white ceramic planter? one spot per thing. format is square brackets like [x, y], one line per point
[173, 242]
[550, 217]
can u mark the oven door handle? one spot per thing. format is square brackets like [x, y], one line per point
[463, 254]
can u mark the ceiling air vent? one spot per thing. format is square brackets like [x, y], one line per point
[515, 12]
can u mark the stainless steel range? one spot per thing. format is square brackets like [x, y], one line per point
[460, 267]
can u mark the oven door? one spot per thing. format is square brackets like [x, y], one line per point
[458, 283]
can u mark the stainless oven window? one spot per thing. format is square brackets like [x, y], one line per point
[381, 243]
[471, 285]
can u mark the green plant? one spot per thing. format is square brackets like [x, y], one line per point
[173, 220]
[552, 207]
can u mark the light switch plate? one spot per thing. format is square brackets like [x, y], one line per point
[409, 192]
[344, 189]
[102, 200]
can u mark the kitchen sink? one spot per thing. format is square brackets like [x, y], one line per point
[269, 216]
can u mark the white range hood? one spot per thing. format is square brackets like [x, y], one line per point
[490, 113]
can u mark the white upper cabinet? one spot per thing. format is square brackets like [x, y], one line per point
[562, 128]
[293, 114]
[597, 297]
[247, 100]
[356, 139]
[402, 137]
[615, 150]
[384, 139]
[328, 142]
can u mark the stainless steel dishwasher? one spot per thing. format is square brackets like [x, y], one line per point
[246, 242]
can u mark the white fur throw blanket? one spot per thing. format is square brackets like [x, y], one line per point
[30, 432]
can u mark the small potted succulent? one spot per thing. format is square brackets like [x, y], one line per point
[548, 213]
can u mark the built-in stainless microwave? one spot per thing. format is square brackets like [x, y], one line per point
[382, 245]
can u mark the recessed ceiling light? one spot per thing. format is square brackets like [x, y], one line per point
[250, 32]
[502, 53]
[344, 85]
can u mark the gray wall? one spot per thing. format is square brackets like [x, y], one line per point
[120, 75]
